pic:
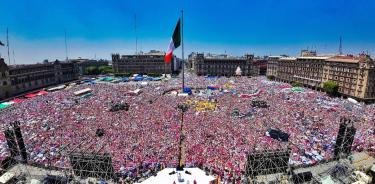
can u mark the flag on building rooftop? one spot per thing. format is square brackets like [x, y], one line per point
[175, 42]
[1, 43]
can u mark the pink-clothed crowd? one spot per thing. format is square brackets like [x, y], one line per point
[146, 137]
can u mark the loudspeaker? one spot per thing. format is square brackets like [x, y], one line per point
[349, 139]
[21, 144]
[12, 145]
[339, 139]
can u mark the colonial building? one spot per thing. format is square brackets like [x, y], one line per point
[260, 65]
[355, 75]
[152, 62]
[221, 65]
[5, 90]
[17, 79]
[272, 65]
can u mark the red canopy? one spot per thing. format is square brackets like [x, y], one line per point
[42, 93]
[30, 95]
[17, 100]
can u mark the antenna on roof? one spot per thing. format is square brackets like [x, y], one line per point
[14, 58]
[8, 45]
[66, 47]
[340, 47]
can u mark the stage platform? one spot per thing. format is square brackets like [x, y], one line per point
[164, 177]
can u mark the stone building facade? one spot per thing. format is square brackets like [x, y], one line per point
[221, 65]
[152, 62]
[17, 79]
[355, 75]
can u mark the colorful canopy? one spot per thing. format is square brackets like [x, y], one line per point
[297, 89]
[17, 100]
[107, 79]
[4, 105]
[41, 93]
[30, 95]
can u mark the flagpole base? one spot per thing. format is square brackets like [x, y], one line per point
[180, 168]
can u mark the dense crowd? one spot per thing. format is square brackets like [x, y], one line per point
[144, 138]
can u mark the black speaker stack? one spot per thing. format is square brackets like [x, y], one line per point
[345, 138]
[302, 177]
[15, 142]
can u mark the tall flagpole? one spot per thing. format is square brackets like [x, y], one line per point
[66, 47]
[8, 46]
[182, 48]
[14, 58]
[183, 108]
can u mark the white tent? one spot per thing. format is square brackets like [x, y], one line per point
[352, 100]
[83, 91]
[238, 71]
[56, 88]
[164, 177]
[183, 94]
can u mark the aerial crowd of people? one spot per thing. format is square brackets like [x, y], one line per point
[145, 137]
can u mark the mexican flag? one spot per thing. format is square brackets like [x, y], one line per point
[175, 42]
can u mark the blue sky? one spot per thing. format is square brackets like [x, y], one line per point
[262, 27]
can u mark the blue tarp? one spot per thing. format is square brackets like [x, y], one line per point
[149, 78]
[125, 79]
[156, 79]
[138, 78]
[213, 87]
[188, 91]
[92, 82]
[87, 80]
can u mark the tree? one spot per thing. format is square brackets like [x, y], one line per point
[271, 77]
[331, 88]
[123, 74]
[92, 70]
[296, 84]
[105, 69]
